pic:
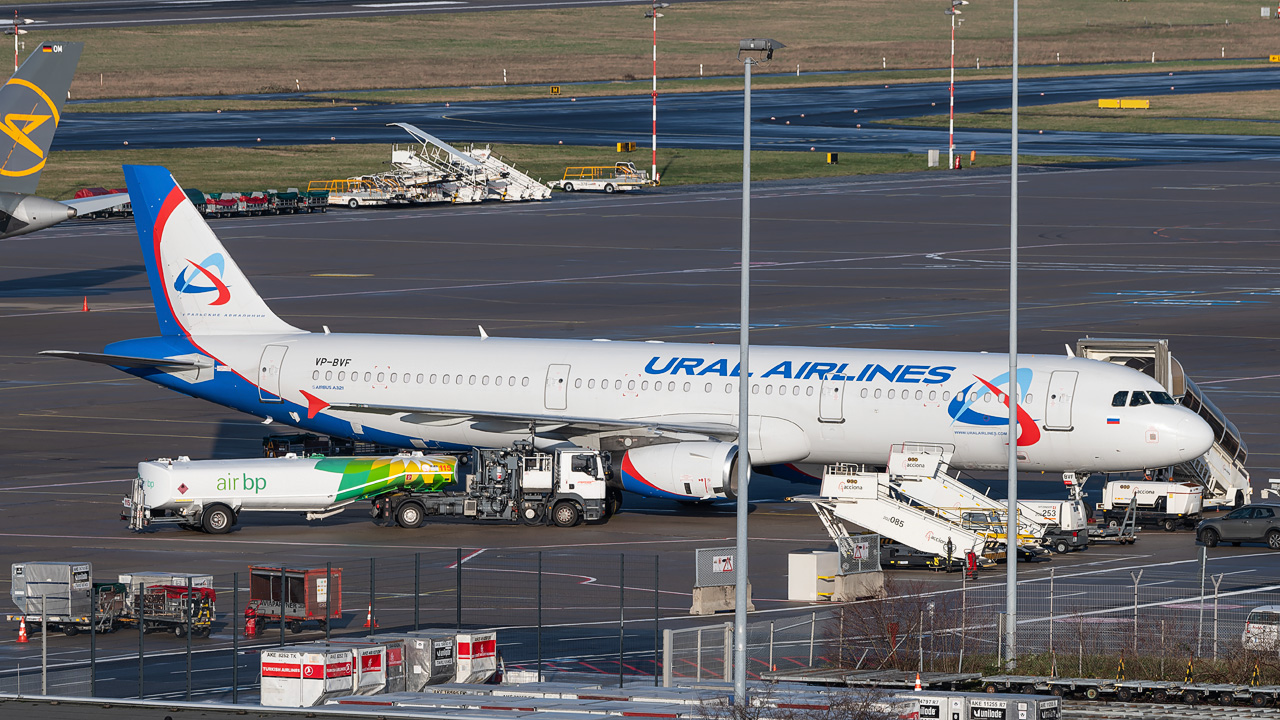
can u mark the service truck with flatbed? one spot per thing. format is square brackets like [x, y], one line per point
[562, 487]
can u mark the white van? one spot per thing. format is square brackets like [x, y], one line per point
[1262, 629]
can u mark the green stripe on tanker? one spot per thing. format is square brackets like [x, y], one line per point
[372, 476]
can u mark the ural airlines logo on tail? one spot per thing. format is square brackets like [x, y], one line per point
[961, 409]
[185, 283]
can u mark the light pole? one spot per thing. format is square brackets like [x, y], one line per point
[15, 31]
[765, 46]
[1011, 531]
[951, 151]
[653, 13]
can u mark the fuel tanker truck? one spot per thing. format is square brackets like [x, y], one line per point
[564, 488]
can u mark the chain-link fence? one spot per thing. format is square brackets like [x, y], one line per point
[1156, 622]
[705, 652]
[554, 612]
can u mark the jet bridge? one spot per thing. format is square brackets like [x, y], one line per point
[1220, 471]
[870, 500]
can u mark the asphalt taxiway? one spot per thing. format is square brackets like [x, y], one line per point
[826, 118]
[1184, 252]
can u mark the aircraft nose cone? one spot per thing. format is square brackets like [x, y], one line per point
[1194, 437]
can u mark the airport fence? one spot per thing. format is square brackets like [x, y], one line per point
[554, 612]
[1132, 622]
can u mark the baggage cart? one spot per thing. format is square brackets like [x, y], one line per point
[60, 595]
[171, 607]
[292, 596]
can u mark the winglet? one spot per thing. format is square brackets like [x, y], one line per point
[483, 335]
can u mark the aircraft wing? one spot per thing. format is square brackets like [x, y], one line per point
[86, 205]
[126, 360]
[510, 422]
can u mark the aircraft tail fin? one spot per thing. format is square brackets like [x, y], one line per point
[196, 286]
[30, 111]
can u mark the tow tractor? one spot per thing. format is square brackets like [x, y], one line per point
[619, 177]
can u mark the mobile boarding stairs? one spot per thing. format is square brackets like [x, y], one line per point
[917, 503]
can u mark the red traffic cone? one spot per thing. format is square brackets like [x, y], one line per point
[22, 630]
[369, 620]
[918, 686]
[84, 307]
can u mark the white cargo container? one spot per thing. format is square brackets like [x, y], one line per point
[1154, 503]
[428, 657]
[306, 675]
[379, 664]
[477, 655]
[136, 581]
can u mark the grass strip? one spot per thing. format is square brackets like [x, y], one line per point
[259, 168]
[1239, 113]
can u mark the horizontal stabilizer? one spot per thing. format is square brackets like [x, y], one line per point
[94, 203]
[125, 360]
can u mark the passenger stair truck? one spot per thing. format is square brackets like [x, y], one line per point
[506, 183]
[521, 485]
[922, 473]
[456, 176]
[1220, 471]
[869, 500]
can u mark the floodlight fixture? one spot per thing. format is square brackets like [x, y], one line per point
[764, 45]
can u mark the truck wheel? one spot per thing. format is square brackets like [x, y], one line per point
[1189, 697]
[217, 520]
[1169, 525]
[1273, 539]
[70, 630]
[609, 188]
[179, 630]
[1091, 693]
[1210, 537]
[568, 187]
[1061, 547]
[295, 627]
[612, 503]
[409, 515]
[1124, 694]
[565, 514]
[353, 203]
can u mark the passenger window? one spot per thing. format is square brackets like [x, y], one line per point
[1162, 398]
[1139, 398]
[471, 380]
[576, 383]
[591, 384]
[933, 394]
[342, 376]
[617, 384]
[809, 391]
[1262, 513]
[890, 395]
[986, 398]
[419, 378]
[1240, 514]
[368, 377]
[671, 386]
[768, 389]
[497, 380]
[686, 387]
[1027, 399]
[525, 382]
[878, 393]
[328, 374]
[484, 380]
[315, 375]
[381, 377]
[755, 389]
[708, 388]
[946, 395]
[919, 394]
[864, 392]
[1120, 398]
[631, 384]
[393, 377]
[728, 388]
[512, 381]
[644, 385]
[445, 379]
[457, 379]
[432, 378]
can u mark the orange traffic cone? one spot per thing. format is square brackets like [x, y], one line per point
[22, 630]
[918, 686]
[84, 307]
[369, 620]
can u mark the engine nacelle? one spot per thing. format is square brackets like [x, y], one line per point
[682, 470]
[21, 214]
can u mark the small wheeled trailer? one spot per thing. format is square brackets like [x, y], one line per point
[292, 596]
[172, 608]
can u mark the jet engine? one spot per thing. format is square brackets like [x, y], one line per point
[682, 470]
[21, 214]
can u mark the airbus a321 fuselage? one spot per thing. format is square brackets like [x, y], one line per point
[671, 407]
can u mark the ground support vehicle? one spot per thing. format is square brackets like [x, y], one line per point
[315, 200]
[124, 209]
[1153, 503]
[619, 177]
[63, 597]
[292, 596]
[257, 203]
[210, 495]
[221, 204]
[171, 607]
[359, 191]
[562, 488]
[1122, 532]
[283, 202]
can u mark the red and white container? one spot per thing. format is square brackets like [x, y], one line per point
[428, 659]
[377, 674]
[477, 656]
[306, 675]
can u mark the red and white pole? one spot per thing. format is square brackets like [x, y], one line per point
[951, 152]
[653, 177]
[15, 41]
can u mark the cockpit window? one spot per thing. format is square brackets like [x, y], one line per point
[1139, 398]
[1162, 398]
[1120, 399]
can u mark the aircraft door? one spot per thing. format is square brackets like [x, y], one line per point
[556, 395]
[269, 373]
[1062, 387]
[831, 401]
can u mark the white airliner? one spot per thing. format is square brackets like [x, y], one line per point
[670, 407]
